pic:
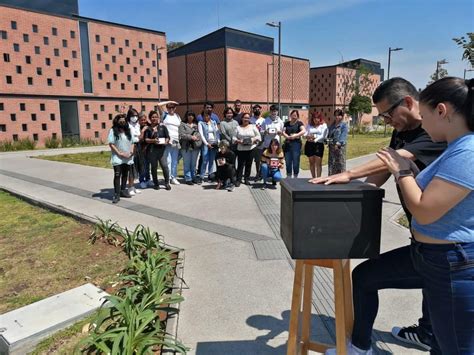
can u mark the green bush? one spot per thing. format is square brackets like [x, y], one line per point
[21, 144]
[52, 143]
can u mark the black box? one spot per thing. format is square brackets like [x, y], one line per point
[340, 221]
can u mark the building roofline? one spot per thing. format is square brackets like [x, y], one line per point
[292, 57]
[78, 17]
[218, 30]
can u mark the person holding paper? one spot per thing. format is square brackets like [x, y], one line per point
[247, 138]
[210, 136]
[272, 161]
[316, 133]
[225, 161]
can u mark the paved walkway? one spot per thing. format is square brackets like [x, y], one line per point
[237, 270]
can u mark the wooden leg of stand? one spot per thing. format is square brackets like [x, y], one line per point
[339, 305]
[293, 342]
[307, 297]
[349, 308]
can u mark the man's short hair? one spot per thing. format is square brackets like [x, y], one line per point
[393, 90]
[209, 103]
[273, 108]
[237, 101]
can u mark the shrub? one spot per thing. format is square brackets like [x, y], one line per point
[21, 144]
[52, 143]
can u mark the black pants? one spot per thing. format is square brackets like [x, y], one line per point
[244, 159]
[120, 177]
[156, 155]
[226, 172]
[257, 157]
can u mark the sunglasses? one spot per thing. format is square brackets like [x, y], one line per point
[388, 114]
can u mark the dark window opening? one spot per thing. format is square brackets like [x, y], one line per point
[47, 61]
[13, 117]
[30, 80]
[56, 52]
[96, 117]
[52, 116]
[42, 107]
[18, 69]
[50, 82]
[54, 31]
[16, 47]
[97, 38]
[15, 137]
[26, 37]
[13, 25]
[37, 50]
[22, 106]
[24, 127]
[35, 28]
[88, 125]
[33, 116]
[35, 137]
[74, 54]
[6, 57]
[68, 83]
[39, 71]
[46, 40]
[72, 34]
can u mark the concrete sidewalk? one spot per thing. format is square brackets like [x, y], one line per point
[239, 275]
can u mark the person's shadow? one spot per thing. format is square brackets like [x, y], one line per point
[104, 194]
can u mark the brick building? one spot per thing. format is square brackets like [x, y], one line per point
[64, 75]
[230, 64]
[330, 86]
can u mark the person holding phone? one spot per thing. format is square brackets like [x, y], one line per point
[272, 161]
[247, 138]
[293, 131]
[172, 121]
[316, 133]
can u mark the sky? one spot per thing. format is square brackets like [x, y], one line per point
[324, 31]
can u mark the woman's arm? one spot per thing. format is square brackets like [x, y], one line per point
[257, 137]
[118, 152]
[301, 133]
[201, 132]
[343, 136]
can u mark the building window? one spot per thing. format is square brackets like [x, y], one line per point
[54, 136]
[86, 107]
[30, 80]
[147, 54]
[135, 70]
[154, 80]
[76, 74]
[96, 134]
[74, 54]
[110, 117]
[129, 78]
[148, 88]
[15, 137]
[22, 106]
[153, 63]
[66, 63]
[147, 71]
[18, 69]
[121, 69]
[127, 60]
[88, 125]
[54, 31]
[1, 106]
[115, 77]
[52, 117]
[114, 59]
[65, 43]
[72, 34]
[159, 56]
[108, 85]
[102, 108]
[44, 126]
[120, 50]
[116, 108]
[6, 57]
[58, 72]
[127, 43]
[24, 127]
[35, 136]
[96, 116]
[3, 128]
[42, 107]
[112, 40]
[47, 61]
[50, 82]
[122, 86]
[134, 52]
[135, 87]
[152, 46]
[46, 40]
[13, 25]
[142, 79]
[39, 71]
[56, 52]
[33, 116]
[106, 49]
[160, 72]
[140, 45]
[37, 50]
[97, 38]
[161, 88]
[13, 117]
[16, 47]
[103, 125]
[68, 83]
[107, 67]
[35, 28]
[3, 35]
[99, 57]
[99, 75]
[26, 38]
[141, 61]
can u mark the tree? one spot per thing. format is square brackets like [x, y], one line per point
[438, 74]
[173, 45]
[359, 105]
[468, 45]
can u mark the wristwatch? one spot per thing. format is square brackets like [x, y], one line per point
[402, 173]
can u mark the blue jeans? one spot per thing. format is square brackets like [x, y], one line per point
[189, 163]
[208, 157]
[145, 172]
[172, 154]
[447, 272]
[292, 158]
[268, 173]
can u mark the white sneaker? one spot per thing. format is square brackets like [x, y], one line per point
[143, 185]
[351, 350]
[175, 182]
[131, 191]
[137, 191]
[150, 183]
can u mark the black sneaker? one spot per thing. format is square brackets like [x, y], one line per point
[189, 182]
[246, 182]
[413, 335]
[116, 198]
[168, 186]
[125, 193]
[264, 186]
[237, 183]
[156, 187]
[230, 188]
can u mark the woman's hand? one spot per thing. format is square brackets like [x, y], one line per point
[393, 161]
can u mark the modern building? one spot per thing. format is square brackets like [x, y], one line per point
[230, 64]
[64, 75]
[330, 86]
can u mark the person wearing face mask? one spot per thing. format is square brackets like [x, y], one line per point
[132, 119]
[228, 127]
[141, 163]
[122, 146]
[258, 121]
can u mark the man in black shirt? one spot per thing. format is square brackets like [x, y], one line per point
[397, 102]
[238, 111]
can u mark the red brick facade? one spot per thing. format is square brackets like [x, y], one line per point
[41, 61]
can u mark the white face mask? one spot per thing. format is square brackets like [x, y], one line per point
[134, 119]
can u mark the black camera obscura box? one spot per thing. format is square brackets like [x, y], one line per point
[340, 221]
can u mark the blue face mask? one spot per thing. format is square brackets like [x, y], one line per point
[134, 119]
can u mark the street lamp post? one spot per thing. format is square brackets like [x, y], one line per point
[278, 24]
[438, 66]
[465, 71]
[390, 50]
[268, 85]
[158, 71]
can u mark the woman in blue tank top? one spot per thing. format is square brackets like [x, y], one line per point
[441, 200]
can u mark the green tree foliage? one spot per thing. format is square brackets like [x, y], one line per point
[467, 43]
[173, 45]
[359, 105]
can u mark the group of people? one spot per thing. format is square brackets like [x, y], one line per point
[431, 157]
[219, 150]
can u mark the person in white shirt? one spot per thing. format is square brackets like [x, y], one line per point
[132, 119]
[210, 136]
[172, 121]
[258, 121]
[316, 133]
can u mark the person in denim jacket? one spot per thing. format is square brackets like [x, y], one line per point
[210, 136]
[337, 141]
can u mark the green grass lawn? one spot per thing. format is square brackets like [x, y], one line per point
[44, 253]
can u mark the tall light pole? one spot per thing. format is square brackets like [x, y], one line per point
[278, 24]
[465, 71]
[158, 70]
[390, 50]
[438, 66]
[268, 85]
